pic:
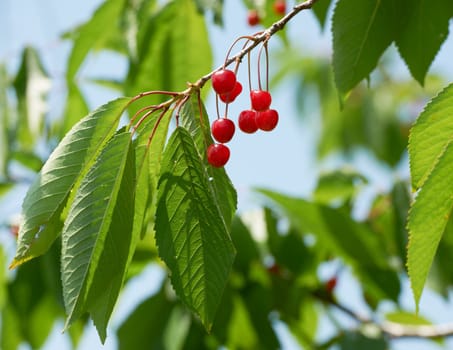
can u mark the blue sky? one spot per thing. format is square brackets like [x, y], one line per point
[282, 160]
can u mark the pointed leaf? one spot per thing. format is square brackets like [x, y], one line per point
[32, 84]
[49, 193]
[362, 30]
[430, 135]
[97, 234]
[145, 327]
[428, 218]
[320, 9]
[93, 34]
[170, 56]
[428, 22]
[197, 122]
[149, 146]
[76, 107]
[191, 235]
[351, 240]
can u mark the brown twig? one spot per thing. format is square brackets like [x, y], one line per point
[392, 329]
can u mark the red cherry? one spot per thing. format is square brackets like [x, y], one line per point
[267, 120]
[247, 121]
[261, 100]
[280, 7]
[231, 96]
[218, 154]
[223, 81]
[223, 129]
[331, 284]
[253, 18]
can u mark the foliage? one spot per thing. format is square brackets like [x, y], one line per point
[122, 187]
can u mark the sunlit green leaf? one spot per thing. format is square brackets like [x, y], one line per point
[191, 234]
[431, 155]
[428, 218]
[406, 318]
[97, 234]
[430, 135]
[177, 28]
[93, 34]
[49, 193]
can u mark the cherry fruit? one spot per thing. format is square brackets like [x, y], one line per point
[223, 129]
[331, 284]
[247, 121]
[267, 120]
[280, 7]
[261, 100]
[223, 81]
[253, 18]
[231, 96]
[218, 154]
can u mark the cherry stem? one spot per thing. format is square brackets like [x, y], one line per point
[137, 125]
[257, 39]
[266, 51]
[153, 132]
[248, 37]
[179, 106]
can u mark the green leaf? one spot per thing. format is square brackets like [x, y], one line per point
[97, 234]
[352, 340]
[320, 9]
[198, 125]
[175, 50]
[406, 318]
[362, 30]
[32, 85]
[430, 135]
[340, 185]
[28, 159]
[241, 333]
[247, 250]
[216, 6]
[3, 279]
[145, 326]
[4, 121]
[428, 218]
[149, 146]
[93, 34]
[190, 232]
[351, 240]
[427, 21]
[76, 107]
[47, 196]
[431, 155]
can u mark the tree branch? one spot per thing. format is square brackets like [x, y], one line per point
[392, 329]
[256, 39]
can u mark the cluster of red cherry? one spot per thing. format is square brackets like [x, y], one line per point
[254, 18]
[260, 116]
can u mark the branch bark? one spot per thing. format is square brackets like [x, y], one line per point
[395, 330]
